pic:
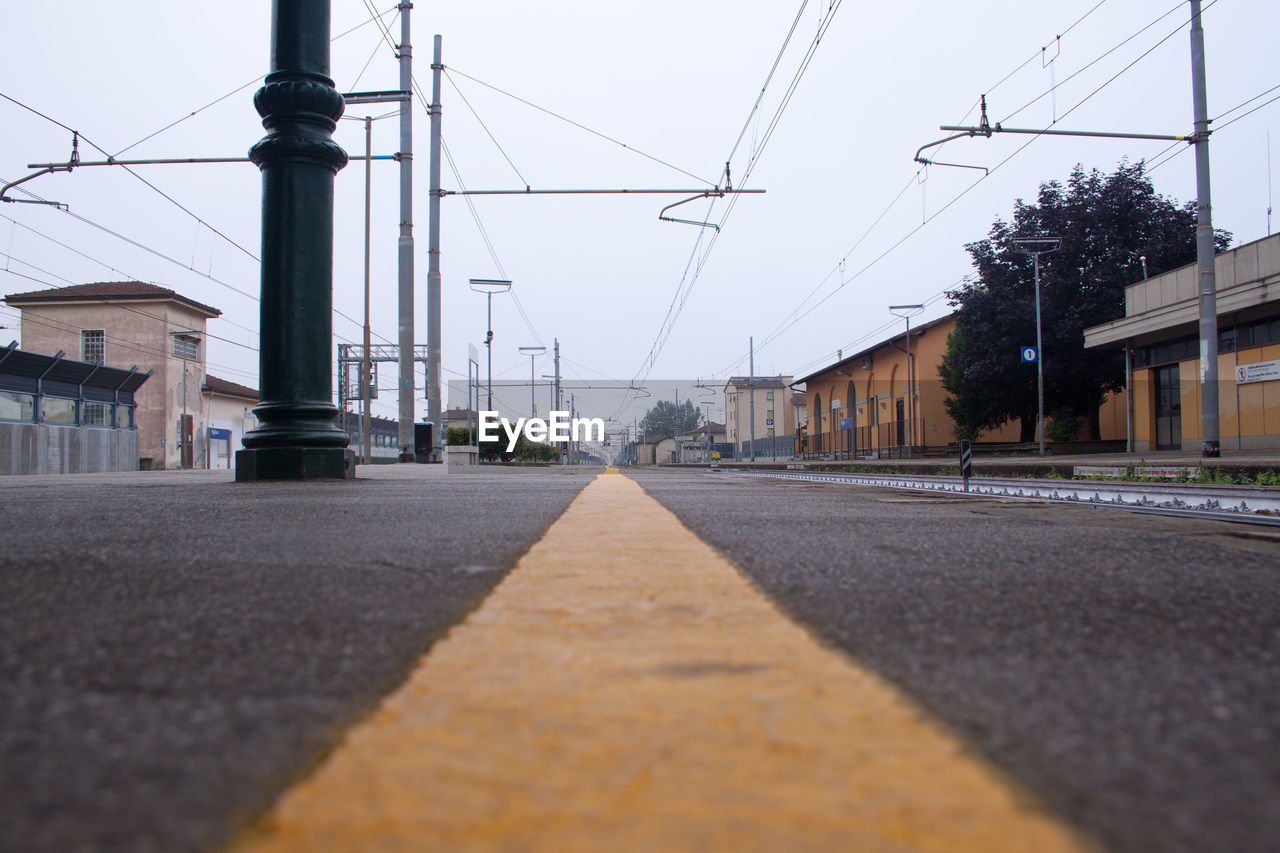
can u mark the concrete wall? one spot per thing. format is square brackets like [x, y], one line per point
[52, 449]
[1243, 265]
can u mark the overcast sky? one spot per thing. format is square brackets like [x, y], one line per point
[849, 223]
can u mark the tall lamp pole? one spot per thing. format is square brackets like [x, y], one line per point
[532, 352]
[906, 312]
[296, 437]
[490, 286]
[1050, 244]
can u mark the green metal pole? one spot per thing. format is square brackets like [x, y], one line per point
[296, 437]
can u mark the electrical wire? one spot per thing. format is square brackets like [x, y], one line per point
[191, 114]
[1096, 60]
[106, 154]
[582, 127]
[454, 84]
[978, 181]
[687, 283]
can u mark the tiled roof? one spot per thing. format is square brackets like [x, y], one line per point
[118, 291]
[230, 389]
[915, 330]
[758, 381]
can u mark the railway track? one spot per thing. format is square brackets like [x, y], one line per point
[1247, 504]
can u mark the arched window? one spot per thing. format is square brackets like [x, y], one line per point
[816, 422]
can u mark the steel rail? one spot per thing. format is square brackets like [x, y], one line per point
[1252, 504]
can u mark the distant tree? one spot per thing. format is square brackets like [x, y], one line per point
[495, 449]
[668, 419]
[1106, 223]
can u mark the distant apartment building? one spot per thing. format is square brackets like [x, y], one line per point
[123, 324]
[775, 416]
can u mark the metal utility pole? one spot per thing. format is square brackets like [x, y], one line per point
[751, 387]
[908, 311]
[564, 455]
[405, 244]
[1036, 253]
[433, 265]
[1204, 247]
[366, 365]
[532, 352]
[557, 397]
[182, 430]
[1208, 296]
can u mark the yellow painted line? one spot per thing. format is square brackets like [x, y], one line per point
[624, 688]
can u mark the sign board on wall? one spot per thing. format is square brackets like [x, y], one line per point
[1259, 371]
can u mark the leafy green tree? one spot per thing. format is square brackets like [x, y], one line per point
[667, 418]
[1107, 224]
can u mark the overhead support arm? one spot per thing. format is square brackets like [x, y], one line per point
[662, 214]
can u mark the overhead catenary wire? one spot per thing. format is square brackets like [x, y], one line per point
[581, 126]
[485, 127]
[1157, 161]
[687, 283]
[156, 189]
[967, 189]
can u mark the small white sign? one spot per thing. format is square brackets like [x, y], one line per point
[1259, 371]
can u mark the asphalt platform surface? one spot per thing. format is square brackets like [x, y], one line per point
[1125, 668]
[177, 649]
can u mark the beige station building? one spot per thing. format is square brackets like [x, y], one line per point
[184, 417]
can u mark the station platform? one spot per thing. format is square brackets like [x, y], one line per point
[552, 659]
[308, 667]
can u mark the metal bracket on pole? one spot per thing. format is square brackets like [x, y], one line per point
[986, 129]
[662, 213]
[71, 163]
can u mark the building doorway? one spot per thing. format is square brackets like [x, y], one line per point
[1168, 408]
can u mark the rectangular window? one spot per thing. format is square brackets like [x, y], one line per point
[768, 395]
[59, 411]
[770, 431]
[186, 346]
[126, 417]
[17, 407]
[93, 346]
[97, 414]
[769, 414]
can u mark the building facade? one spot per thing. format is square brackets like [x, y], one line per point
[124, 324]
[886, 400]
[774, 414]
[229, 407]
[1160, 336]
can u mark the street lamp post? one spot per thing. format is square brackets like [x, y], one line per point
[490, 286]
[532, 352]
[906, 312]
[1052, 243]
[296, 437]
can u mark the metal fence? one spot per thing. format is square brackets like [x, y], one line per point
[770, 447]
